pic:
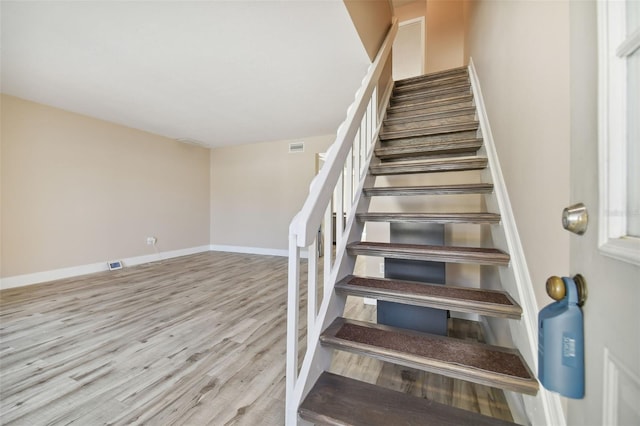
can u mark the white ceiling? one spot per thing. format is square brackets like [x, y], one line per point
[220, 72]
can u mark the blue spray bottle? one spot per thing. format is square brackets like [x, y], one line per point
[561, 338]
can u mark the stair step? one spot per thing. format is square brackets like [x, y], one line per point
[426, 139]
[460, 299]
[461, 359]
[432, 93]
[464, 146]
[430, 166]
[469, 188]
[423, 110]
[339, 400]
[429, 104]
[465, 126]
[432, 76]
[477, 218]
[451, 254]
[430, 122]
[453, 110]
[430, 84]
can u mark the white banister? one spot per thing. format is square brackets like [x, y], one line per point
[331, 205]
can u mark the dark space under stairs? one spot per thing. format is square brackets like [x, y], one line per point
[430, 127]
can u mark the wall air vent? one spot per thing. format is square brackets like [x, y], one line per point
[296, 147]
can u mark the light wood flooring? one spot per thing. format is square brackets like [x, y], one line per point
[197, 340]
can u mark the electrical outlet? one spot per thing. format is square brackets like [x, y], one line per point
[151, 241]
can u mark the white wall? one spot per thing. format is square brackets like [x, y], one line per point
[521, 53]
[256, 190]
[77, 190]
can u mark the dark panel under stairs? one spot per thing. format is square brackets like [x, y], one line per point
[464, 146]
[474, 255]
[461, 359]
[338, 400]
[430, 166]
[460, 299]
[477, 218]
[460, 189]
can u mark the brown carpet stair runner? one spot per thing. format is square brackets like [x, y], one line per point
[461, 359]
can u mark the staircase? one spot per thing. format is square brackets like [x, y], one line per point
[433, 127]
[430, 127]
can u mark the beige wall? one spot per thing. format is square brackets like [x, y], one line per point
[372, 20]
[444, 31]
[257, 189]
[77, 190]
[521, 53]
[445, 35]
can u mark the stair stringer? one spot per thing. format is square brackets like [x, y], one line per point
[317, 358]
[544, 408]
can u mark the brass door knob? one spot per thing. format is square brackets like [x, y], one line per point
[557, 290]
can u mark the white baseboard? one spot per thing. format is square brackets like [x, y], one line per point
[74, 271]
[250, 250]
[255, 250]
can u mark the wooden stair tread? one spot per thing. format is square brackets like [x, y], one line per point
[461, 359]
[464, 86]
[453, 111]
[434, 97]
[452, 254]
[339, 400]
[478, 218]
[460, 299]
[433, 138]
[426, 104]
[466, 125]
[468, 188]
[430, 122]
[430, 84]
[430, 166]
[429, 147]
[432, 76]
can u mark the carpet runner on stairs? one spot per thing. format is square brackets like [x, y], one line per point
[471, 361]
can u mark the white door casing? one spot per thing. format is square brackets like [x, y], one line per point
[409, 49]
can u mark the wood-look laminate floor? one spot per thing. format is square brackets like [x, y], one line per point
[197, 340]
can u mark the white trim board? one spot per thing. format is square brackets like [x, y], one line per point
[256, 250]
[250, 250]
[74, 271]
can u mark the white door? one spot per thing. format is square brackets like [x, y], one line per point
[408, 49]
[612, 309]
